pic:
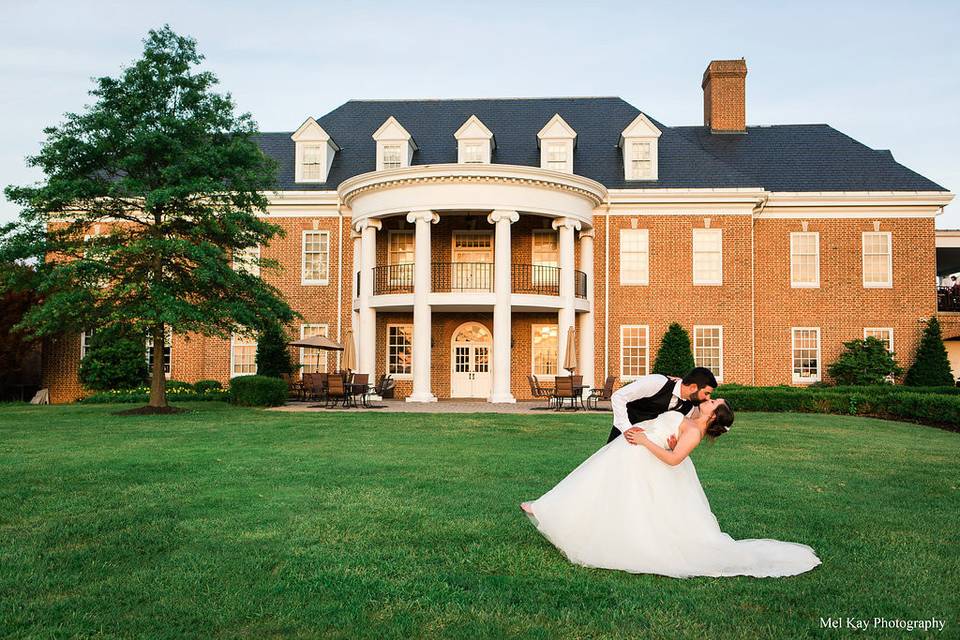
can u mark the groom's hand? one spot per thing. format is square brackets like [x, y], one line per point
[633, 435]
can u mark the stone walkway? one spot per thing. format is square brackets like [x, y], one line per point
[443, 406]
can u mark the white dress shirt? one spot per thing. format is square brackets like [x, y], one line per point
[642, 387]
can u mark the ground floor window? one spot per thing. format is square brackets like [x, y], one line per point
[167, 352]
[546, 349]
[85, 342]
[313, 360]
[806, 354]
[243, 356]
[634, 351]
[883, 334]
[400, 350]
[708, 348]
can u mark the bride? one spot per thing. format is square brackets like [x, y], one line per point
[637, 506]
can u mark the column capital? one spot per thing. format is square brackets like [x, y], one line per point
[568, 223]
[354, 234]
[503, 214]
[368, 223]
[587, 233]
[425, 215]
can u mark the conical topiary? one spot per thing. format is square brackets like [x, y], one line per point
[675, 358]
[931, 367]
[273, 356]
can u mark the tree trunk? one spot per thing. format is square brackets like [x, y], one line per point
[158, 381]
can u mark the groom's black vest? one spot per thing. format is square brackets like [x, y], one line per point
[652, 406]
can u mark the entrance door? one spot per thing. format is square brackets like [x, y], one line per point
[472, 268]
[470, 359]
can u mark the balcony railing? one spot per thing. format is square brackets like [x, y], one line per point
[948, 299]
[474, 277]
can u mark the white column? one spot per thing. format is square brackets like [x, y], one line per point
[354, 312]
[502, 317]
[421, 306]
[566, 315]
[585, 328]
[367, 337]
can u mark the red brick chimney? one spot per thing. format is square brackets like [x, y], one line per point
[724, 100]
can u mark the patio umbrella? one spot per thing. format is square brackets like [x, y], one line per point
[570, 356]
[320, 343]
[349, 360]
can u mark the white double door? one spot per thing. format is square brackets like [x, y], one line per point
[471, 348]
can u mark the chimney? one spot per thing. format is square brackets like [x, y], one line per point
[724, 101]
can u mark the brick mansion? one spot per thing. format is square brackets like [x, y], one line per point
[459, 241]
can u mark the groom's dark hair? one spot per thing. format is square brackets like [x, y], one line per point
[702, 377]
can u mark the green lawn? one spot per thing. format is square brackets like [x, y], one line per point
[225, 523]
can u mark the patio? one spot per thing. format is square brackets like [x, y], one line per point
[441, 406]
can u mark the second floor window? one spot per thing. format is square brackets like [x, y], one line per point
[805, 259]
[316, 257]
[707, 256]
[400, 247]
[247, 259]
[634, 256]
[877, 259]
[313, 159]
[391, 156]
[546, 257]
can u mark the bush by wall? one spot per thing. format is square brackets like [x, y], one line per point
[200, 386]
[675, 357]
[115, 359]
[931, 365]
[258, 391]
[142, 395]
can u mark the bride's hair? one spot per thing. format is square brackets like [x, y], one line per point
[721, 420]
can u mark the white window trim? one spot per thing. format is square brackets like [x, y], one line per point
[567, 145]
[863, 261]
[472, 232]
[890, 329]
[718, 281]
[799, 379]
[168, 335]
[252, 269]
[84, 336]
[386, 342]
[642, 281]
[326, 355]
[533, 245]
[390, 235]
[805, 285]
[646, 365]
[533, 332]
[233, 339]
[718, 374]
[303, 259]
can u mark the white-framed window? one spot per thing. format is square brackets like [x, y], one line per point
[806, 354]
[243, 356]
[545, 350]
[313, 161]
[640, 160]
[473, 152]
[558, 157]
[167, 353]
[316, 257]
[804, 259]
[708, 256]
[634, 351]
[313, 360]
[545, 257]
[85, 342]
[634, 256]
[877, 259]
[400, 351]
[392, 158]
[883, 334]
[708, 348]
[247, 259]
[400, 247]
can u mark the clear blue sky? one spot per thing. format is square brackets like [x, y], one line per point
[886, 73]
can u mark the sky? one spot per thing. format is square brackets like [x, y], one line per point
[885, 73]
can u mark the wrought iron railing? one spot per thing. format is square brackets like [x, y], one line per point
[580, 284]
[537, 279]
[393, 278]
[446, 277]
[453, 277]
[948, 299]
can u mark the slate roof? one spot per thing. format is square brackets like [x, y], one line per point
[805, 157]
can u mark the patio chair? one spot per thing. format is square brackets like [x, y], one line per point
[564, 391]
[361, 387]
[603, 394]
[539, 392]
[336, 391]
[385, 386]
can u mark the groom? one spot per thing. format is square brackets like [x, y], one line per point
[649, 396]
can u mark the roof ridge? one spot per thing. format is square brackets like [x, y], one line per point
[485, 99]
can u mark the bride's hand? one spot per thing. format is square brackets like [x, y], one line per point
[635, 435]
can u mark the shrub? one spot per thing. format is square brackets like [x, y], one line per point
[178, 384]
[116, 358]
[273, 356]
[142, 394]
[674, 358]
[931, 367]
[258, 391]
[864, 362]
[201, 386]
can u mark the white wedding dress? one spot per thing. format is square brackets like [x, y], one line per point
[625, 509]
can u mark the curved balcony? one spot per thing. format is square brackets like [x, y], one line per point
[474, 277]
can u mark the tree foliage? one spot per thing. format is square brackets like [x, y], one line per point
[864, 362]
[115, 359]
[931, 367]
[148, 194]
[273, 355]
[675, 357]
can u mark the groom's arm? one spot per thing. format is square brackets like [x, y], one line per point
[642, 387]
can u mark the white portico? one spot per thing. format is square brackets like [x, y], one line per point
[471, 282]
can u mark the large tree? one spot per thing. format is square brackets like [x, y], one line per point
[150, 197]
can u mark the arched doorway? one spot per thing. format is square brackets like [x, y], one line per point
[470, 361]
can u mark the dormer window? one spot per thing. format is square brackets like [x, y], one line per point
[557, 140]
[475, 142]
[395, 145]
[639, 144]
[314, 150]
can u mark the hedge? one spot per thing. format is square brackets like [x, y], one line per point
[258, 391]
[142, 394]
[937, 406]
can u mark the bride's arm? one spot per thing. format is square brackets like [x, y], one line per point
[687, 443]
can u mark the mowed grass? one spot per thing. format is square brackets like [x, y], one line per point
[238, 523]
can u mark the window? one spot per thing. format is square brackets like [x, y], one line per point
[707, 256]
[883, 334]
[313, 360]
[557, 156]
[85, 342]
[634, 256]
[640, 160]
[314, 158]
[167, 352]
[708, 348]
[247, 259]
[877, 259]
[391, 156]
[546, 257]
[805, 259]
[400, 350]
[473, 152]
[243, 356]
[545, 349]
[400, 247]
[806, 354]
[316, 257]
[634, 352]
